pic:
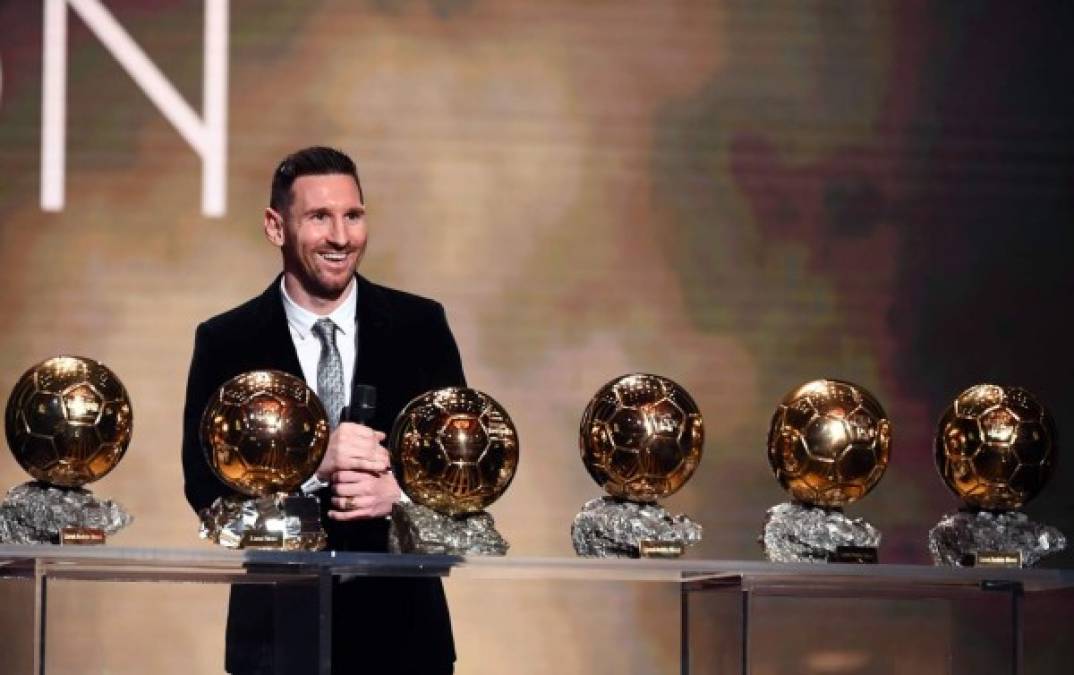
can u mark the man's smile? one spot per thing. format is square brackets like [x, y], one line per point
[334, 257]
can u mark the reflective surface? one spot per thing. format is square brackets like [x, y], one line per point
[995, 446]
[641, 437]
[275, 521]
[419, 529]
[68, 421]
[454, 450]
[829, 442]
[609, 527]
[744, 583]
[800, 533]
[263, 432]
[33, 513]
[959, 537]
[215, 564]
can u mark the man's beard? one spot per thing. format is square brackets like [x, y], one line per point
[314, 286]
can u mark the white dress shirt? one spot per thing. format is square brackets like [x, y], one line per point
[300, 323]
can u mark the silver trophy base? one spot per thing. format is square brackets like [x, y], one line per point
[1007, 538]
[614, 528]
[37, 513]
[419, 529]
[278, 521]
[796, 532]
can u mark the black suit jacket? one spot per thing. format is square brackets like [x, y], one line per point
[405, 348]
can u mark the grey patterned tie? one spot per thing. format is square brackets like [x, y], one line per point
[329, 371]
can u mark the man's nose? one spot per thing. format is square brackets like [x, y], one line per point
[337, 235]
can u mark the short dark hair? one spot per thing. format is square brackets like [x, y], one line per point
[313, 161]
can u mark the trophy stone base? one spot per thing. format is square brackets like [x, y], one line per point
[795, 532]
[612, 528]
[278, 521]
[37, 513]
[419, 529]
[1004, 538]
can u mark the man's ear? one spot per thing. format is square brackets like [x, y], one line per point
[274, 227]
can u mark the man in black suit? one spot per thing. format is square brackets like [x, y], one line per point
[321, 321]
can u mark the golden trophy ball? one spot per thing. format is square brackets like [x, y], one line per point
[454, 452]
[68, 423]
[828, 445]
[264, 433]
[995, 449]
[641, 438]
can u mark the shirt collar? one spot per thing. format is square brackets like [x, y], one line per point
[301, 320]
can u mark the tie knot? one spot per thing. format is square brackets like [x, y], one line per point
[325, 330]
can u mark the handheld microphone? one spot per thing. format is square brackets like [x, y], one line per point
[363, 405]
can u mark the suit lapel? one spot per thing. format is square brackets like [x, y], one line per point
[374, 326]
[274, 341]
[374, 335]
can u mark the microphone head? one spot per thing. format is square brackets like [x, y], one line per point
[363, 403]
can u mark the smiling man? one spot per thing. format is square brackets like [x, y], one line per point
[323, 322]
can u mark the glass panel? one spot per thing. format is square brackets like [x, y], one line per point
[799, 618]
[849, 636]
[17, 624]
[218, 565]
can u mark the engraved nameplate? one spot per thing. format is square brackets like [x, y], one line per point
[650, 548]
[262, 540]
[996, 559]
[81, 536]
[864, 555]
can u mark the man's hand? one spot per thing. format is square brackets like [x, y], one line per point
[353, 447]
[361, 494]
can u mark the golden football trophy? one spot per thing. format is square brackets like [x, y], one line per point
[454, 451]
[828, 445]
[995, 449]
[68, 423]
[641, 439]
[264, 433]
